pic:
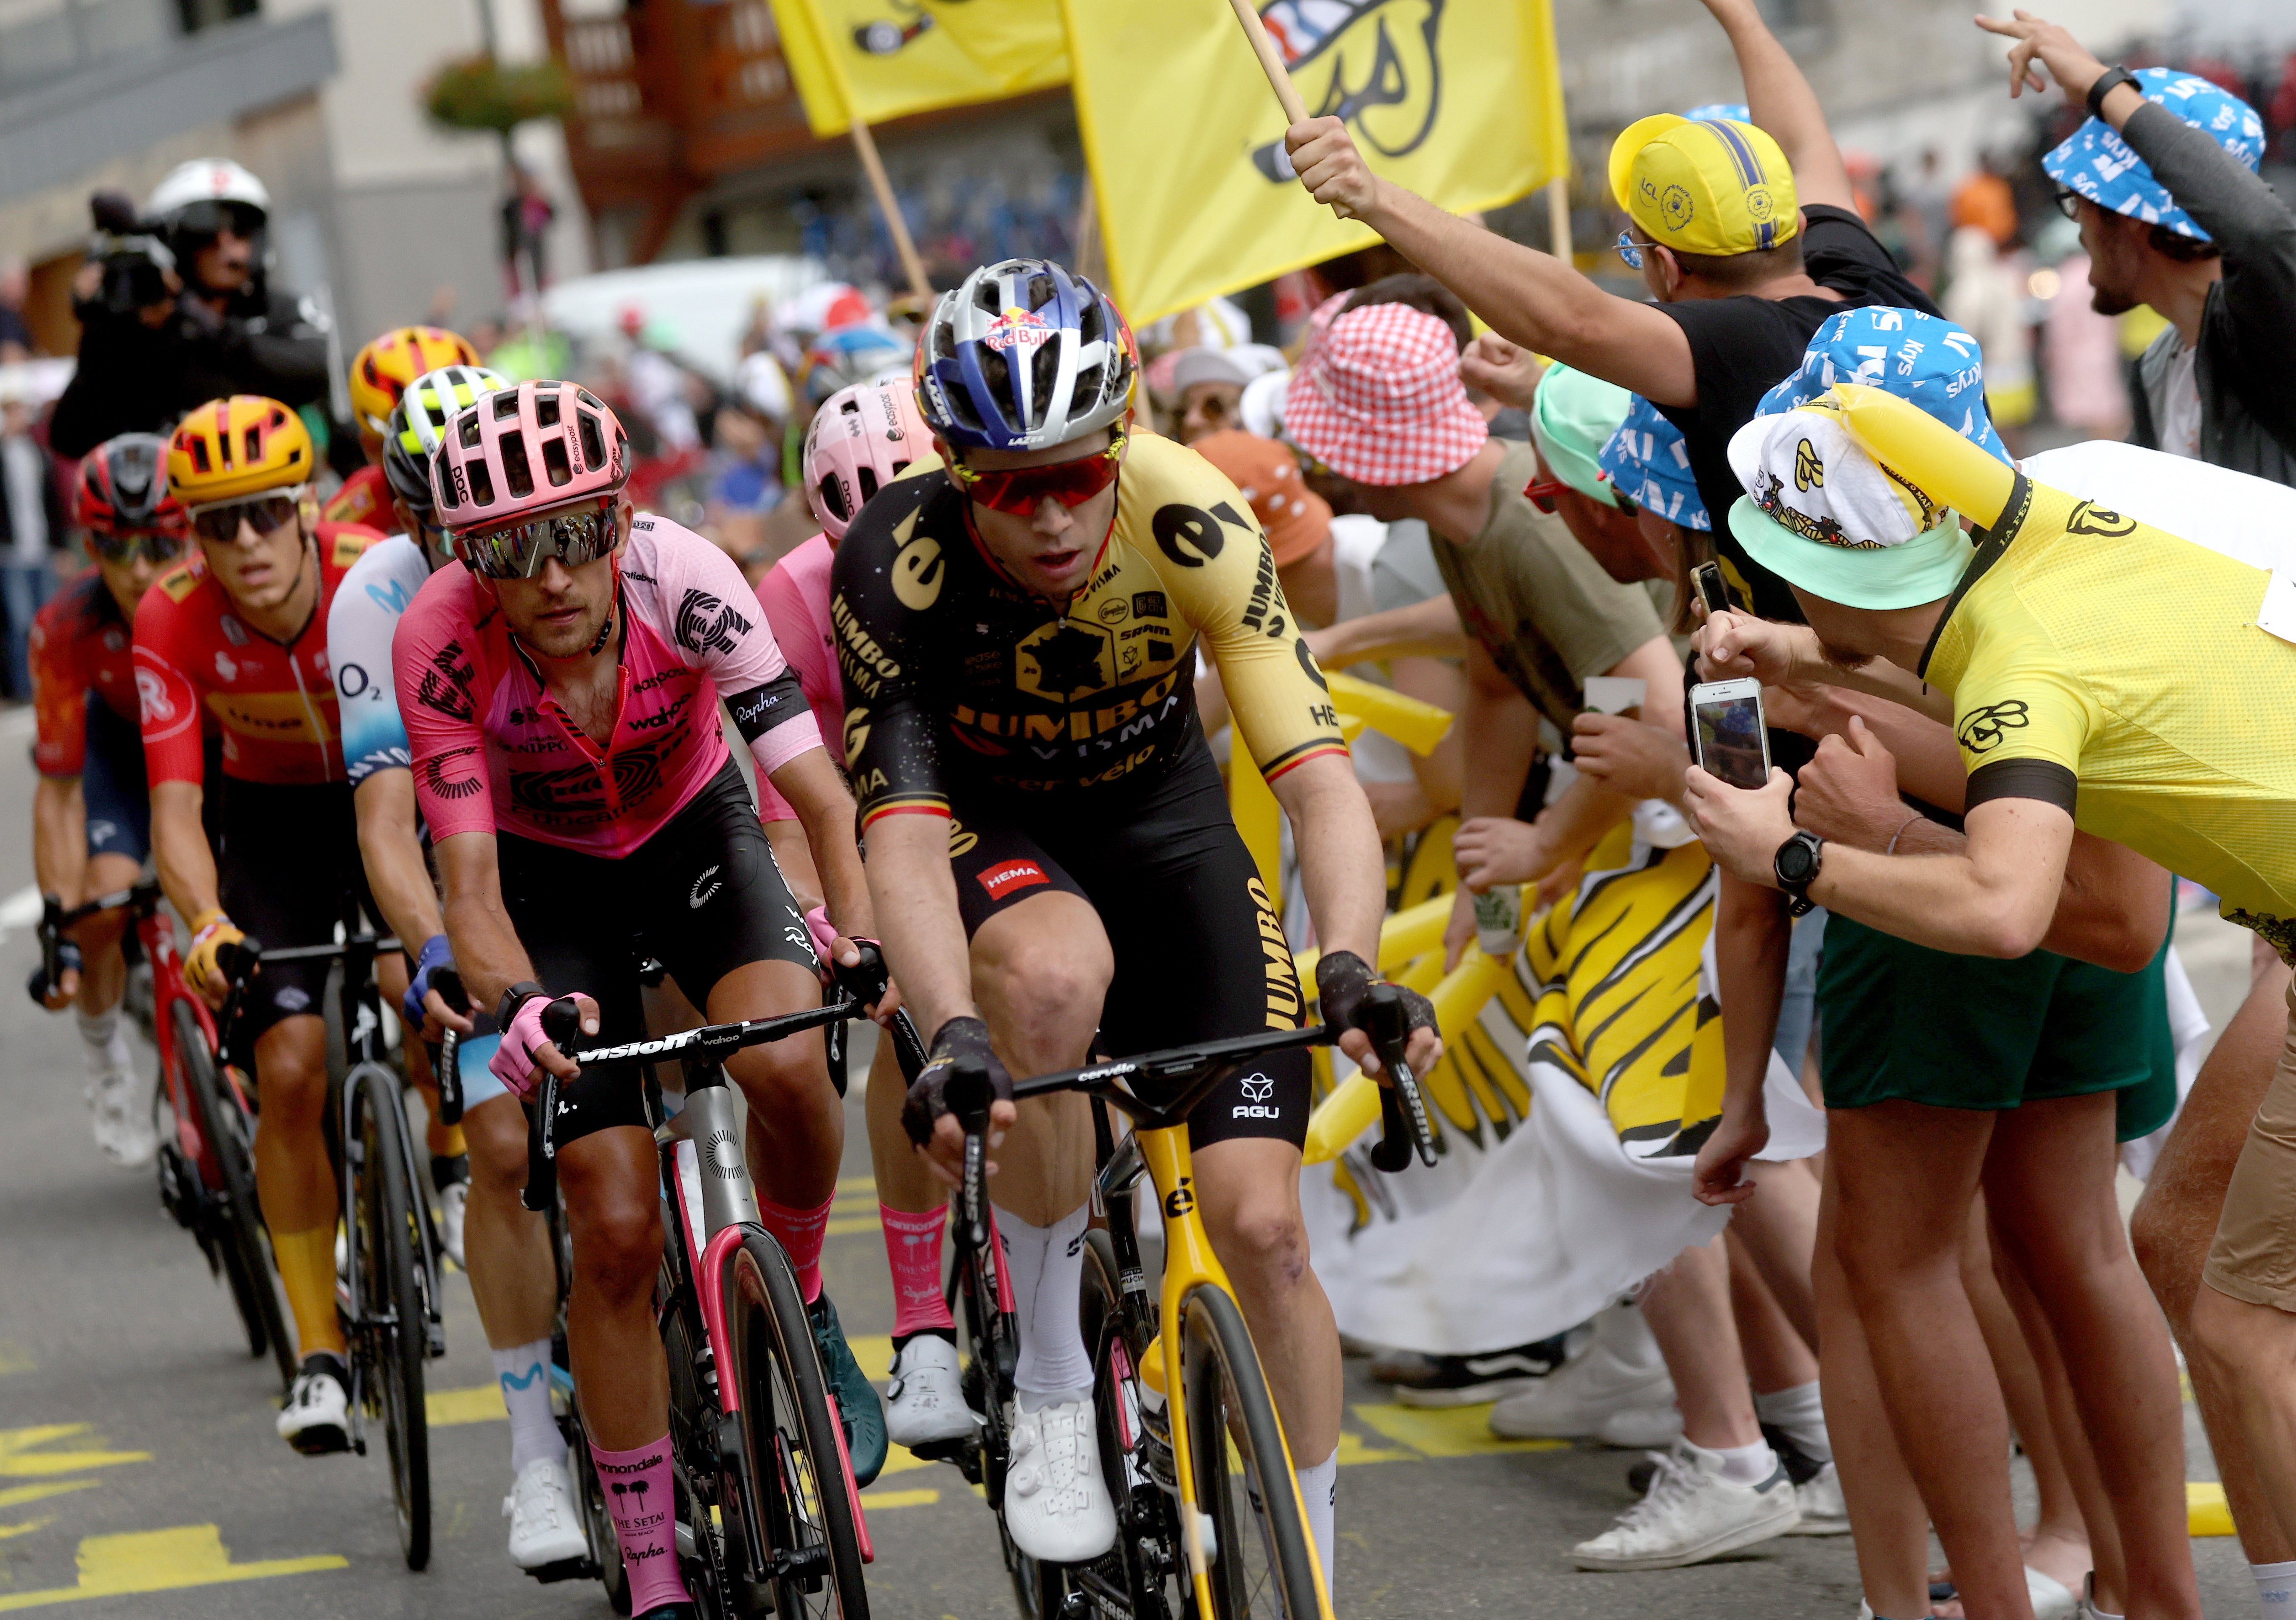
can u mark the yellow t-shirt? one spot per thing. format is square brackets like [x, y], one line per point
[2119, 671]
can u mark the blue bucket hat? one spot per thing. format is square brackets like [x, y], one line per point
[2094, 162]
[1735, 112]
[1648, 463]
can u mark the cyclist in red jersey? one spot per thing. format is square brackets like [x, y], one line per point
[380, 373]
[244, 640]
[91, 812]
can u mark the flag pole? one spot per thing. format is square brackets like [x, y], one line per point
[1271, 62]
[1558, 216]
[864, 145]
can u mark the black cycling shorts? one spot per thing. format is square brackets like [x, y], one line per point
[703, 896]
[290, 865]
[1200, 955]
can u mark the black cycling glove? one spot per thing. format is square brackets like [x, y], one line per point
[866, 979]
[962, 1075]
[67, 960]
[1343, 979]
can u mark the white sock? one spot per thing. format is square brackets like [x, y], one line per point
[1801, 1415]
[103, 1043]
[524, 1375]
[1045, 1264]
[2275, 1589]
[1747, 1465]
[1319, 1493]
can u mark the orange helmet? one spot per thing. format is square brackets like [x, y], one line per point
[242, 446]
[381, 371]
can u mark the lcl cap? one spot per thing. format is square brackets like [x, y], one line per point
[1717, 187]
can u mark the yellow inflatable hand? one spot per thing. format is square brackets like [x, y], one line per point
[1417, 726]
[1916, 446]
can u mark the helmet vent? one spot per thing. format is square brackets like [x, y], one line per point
[482, 483]
[253, 441]
[516, 468]
[553, 460]
[1041, 291]
[832, 496]
[545, 409]
[1088, 383]
[199, 449]
[506, 404]
[1043, 371]
[868, 482]
[1090, 328]
[986, 298]
[468, 432]
[594, 440]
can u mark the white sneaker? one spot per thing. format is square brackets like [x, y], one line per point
[1620, 1370]
[1824, 1510]
[1641, 1428]
[316, 1418]
[452, 1202]
[1056, 1504]
[1692, 1514]
[120, 1114]
[544, 1527]
[924, 1403]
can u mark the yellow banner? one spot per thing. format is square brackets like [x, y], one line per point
[886, 59]
[1459, 100]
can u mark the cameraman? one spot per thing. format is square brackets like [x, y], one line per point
[175, 310]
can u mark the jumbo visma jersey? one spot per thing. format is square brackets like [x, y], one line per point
[958, 679]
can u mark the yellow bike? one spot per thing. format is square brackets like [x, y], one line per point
[1210, 1523]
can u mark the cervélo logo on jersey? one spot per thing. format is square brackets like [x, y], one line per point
[1011, 877]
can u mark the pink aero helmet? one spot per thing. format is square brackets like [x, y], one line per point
[526, 449]
[862, 439]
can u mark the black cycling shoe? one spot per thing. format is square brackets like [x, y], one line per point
[670, 1611]
[862, 1413]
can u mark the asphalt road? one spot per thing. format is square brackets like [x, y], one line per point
[139, 1473]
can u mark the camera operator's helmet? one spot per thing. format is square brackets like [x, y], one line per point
[123, 489]
[526, 449]
[200, 198]
[381, 371]
[861, 440]
[417, 426]
[1024, 355]
[245, 445]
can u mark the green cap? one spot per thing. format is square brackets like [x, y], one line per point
[1924, 569]
[1573, 417]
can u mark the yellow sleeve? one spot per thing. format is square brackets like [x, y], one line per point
[2022, 722]
[1198, 534]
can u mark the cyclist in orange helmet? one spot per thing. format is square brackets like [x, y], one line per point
[380, 373]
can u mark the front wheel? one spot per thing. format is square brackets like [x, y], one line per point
[393, 1336]
[230, 1142]
[987, 1349]
[796, 1506]
[1261, 1563]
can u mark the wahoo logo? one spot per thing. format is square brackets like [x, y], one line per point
[1016, 329]
[1011, 877]
[697, 896]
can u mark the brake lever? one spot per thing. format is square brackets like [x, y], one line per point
[561, 1022]
[1404, 1126]
[446, 1059]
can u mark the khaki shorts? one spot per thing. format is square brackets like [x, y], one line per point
[2254, 1255]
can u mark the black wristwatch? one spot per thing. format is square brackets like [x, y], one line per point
[517, 996]
[1796, 865]
[2110, 79]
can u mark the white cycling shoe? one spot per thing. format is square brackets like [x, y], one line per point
[544, 1527]
[924, 1403]
[119, 1108]
[316, 1418]
[1056, 1504]
[453, 1202]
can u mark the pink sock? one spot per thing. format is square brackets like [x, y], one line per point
[912, 1245]
[640, 1496]
[799, 1232]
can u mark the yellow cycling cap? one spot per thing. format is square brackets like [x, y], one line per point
[1704, 185]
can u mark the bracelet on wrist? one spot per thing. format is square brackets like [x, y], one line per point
[2106, 83]
[1900, 832]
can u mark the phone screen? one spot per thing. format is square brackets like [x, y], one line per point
[1706, 578]
[1731, 743]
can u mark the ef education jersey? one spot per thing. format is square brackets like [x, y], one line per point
[493, 751]
[79, 644]
[274, 704]
[366, 608]
[955, 676]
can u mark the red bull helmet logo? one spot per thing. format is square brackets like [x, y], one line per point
[1016, 329]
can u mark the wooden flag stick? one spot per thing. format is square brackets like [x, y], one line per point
[865, 144]
[1558, 216]
[1271, 62]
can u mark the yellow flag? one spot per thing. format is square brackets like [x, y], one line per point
[890, 58]
[1459, 100]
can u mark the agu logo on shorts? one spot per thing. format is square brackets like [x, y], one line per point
[1257, 1089]
[1009, 879]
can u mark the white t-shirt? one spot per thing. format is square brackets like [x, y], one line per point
[2177, 406]
[27, 513]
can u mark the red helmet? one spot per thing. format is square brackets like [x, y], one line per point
[123, 489]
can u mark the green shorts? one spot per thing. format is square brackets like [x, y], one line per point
[1899, 1021]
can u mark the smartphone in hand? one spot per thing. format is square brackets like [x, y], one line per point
[1706, 580]
[1726, 719]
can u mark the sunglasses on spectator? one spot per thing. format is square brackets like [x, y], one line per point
[1631, 251]
[266, 513]
[1541, 493]
[1020, 490]
[519, 551]
[2069, 201]
[210, 218]
[162, 545]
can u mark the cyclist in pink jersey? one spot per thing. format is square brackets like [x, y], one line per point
[862, 439]
[560, 690]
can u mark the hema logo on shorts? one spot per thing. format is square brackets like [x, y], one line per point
[1257, 1089]
[1010, 877]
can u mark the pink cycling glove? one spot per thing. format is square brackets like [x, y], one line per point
[825, 935]
[513, 1063]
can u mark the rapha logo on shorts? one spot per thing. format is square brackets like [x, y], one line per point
[1011, 877]
[697, 896]
[1257, 1089]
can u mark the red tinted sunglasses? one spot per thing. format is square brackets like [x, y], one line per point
[1541, 494]
[1023, 489]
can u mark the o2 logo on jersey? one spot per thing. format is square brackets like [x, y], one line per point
[705, 624]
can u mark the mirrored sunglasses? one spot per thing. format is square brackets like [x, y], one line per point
[1630, 249]
[266, 513]
[1020, 490]
[521, 551]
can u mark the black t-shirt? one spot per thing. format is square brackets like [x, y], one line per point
[1745, 346]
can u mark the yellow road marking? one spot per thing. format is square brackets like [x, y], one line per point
[18, 1496]
[857, 1184]
[1454, 1431]
[2206, 1511]
[1354, 1450]
[162, 1560]
[899, 1498]
[845, 1226]
[20, 1458]
[480, 1404]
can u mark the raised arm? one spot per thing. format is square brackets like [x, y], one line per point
[1783, 105]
